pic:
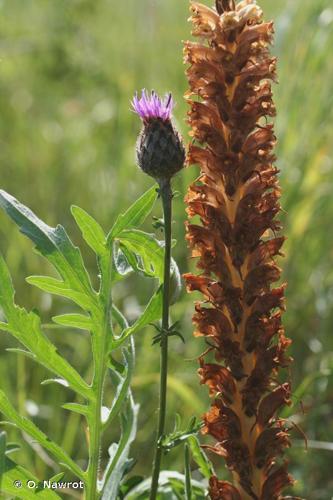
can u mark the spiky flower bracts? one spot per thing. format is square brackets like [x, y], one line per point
[160, 151]
[236, 198]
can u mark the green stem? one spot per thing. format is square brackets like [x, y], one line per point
[166, 195]
[21, 384]
[188, 484]
[100, 363]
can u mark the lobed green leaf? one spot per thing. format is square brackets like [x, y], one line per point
[91, 231]
[76, 408]
[148, 249]
[135, 215]
[79, 321]
[26, 328]
[32, 430]
[150, 314]
[52, 243]
[58, 287]
[119, 317]
[15, 483]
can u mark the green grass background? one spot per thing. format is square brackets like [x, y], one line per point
[68, 70]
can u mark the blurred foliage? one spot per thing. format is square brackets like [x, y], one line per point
[68, 70]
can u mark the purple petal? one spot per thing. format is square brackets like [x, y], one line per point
[150, 106]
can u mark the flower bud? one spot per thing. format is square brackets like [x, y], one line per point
[160, 151]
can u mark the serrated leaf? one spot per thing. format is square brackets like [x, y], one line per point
[79, 321]
[76, 408]
[91, 231]
[15, 483]
[151, 313]
[147, 248]
[135, 215]
[26, 328]
[33, 431]
[52, 243]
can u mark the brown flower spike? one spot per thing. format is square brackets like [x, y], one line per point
[236, 198]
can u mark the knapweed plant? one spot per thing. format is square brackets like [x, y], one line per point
[236, 198]
[160, 154]
[124, 249]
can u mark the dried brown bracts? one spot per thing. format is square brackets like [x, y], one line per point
[236, 199]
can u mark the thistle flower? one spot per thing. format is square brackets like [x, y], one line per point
[160, 151]
[161, 154]
[237, 199]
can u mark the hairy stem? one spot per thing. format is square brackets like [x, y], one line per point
[100, 362]
[166, 196]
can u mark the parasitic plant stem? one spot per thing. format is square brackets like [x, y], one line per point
[166, 196]
[236, 198]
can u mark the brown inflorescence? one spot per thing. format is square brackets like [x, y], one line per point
[236, 199]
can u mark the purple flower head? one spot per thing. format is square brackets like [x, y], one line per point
[152, 106]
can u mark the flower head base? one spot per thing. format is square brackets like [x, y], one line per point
[152, 106]
[160, 152]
